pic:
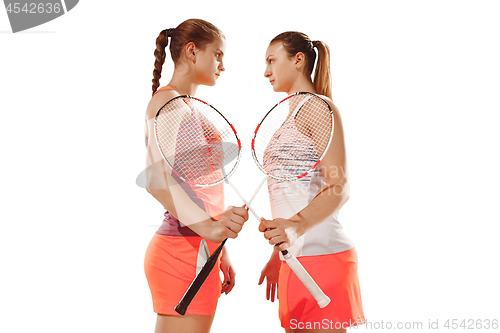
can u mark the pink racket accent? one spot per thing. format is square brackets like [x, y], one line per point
[258, 126]
[284, 99]
[199, 100]
[302, 175]
[315, 165]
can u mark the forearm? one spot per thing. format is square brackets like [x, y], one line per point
[165, 189]
[325, 204]
[224, 255]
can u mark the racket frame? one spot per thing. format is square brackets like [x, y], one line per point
[184, 97]
[254, 154]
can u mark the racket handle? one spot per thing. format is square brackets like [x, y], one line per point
[195, 286]
[257, 190]
[306, 279]
[243, 199]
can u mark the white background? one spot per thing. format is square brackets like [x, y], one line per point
[417, 84]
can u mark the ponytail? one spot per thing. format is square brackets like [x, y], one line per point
[322, 77]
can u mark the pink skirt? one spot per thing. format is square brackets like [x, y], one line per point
[337, 275]
[170, 266]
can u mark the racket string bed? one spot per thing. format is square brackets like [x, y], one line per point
[205, 141]
[290, 152]
[293, 137]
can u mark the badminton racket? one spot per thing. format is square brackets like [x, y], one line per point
[288, 143]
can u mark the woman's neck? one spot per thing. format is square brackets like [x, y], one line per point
[183, 83]
[302, 84]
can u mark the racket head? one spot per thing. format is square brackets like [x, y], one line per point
[293, 137]
[198, 143]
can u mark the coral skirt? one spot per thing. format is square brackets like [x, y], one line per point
[171, 263]
[336, 274]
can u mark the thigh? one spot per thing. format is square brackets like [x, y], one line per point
[183, 324]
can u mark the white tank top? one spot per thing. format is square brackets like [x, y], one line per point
[289, 197]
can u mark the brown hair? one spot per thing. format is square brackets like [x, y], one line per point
[200, 32]
[295, 42]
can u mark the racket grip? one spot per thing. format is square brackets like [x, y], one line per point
[306, 279]
[195, 286]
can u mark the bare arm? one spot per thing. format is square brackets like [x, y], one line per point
[335, 192]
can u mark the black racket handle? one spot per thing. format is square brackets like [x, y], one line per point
[195, 286]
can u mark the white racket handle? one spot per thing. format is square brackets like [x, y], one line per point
[307, 280]
[257, 190]
[243, 199]
[294, 264]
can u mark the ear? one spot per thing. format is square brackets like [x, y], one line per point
[190, 52]
[300, 60]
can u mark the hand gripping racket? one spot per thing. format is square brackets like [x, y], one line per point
[288, 143]
[200, 145]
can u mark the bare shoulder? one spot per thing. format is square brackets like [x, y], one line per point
[335, 110]
[158, 100]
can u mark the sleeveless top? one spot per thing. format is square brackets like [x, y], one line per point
[289, 197]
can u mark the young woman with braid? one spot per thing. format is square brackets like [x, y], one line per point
[195, 221]
[305, 213]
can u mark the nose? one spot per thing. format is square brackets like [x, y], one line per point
[267, 72]
[221, 67]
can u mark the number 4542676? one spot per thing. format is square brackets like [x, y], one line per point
[34, 8]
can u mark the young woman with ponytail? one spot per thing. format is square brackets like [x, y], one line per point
[314, 233]
[191, 230]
